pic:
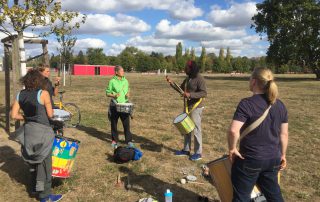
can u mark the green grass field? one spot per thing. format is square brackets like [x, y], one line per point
[156, 105]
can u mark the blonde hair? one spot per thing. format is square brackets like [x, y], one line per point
[265, 81]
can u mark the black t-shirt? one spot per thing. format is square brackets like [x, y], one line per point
[264, 141]
[50, 89]
[29, 101]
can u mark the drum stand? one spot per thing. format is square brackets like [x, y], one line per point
[57, 127]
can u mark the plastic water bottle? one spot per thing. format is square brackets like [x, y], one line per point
[168, 196]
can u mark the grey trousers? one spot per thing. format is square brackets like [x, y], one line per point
[41, 175]
[196, 116]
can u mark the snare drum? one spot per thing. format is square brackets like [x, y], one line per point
[60, 115]
[184, 123]
[64, 151]
[124, 107]
[220, 171]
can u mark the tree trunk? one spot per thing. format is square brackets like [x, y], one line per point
[7, 86]
[22, 54]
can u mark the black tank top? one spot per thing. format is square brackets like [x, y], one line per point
[29, 101]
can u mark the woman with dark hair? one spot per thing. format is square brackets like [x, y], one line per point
[53, 90]
[263, 149]
[195, 90]
[37, 137]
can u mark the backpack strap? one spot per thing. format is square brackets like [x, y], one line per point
[255, 124]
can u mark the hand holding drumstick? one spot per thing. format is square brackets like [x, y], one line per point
[175, 86]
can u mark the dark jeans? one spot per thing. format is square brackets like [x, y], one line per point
[125, 119]
[248, 172]
[41, 175]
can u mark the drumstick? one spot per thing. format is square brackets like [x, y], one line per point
[201, 183]
[178, 88]
[175, 86]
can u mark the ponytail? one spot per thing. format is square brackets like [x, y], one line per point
[265, 80]
[272, 91]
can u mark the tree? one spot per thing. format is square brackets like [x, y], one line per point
[54, 61]
[66, 39]
[178, 51]
[221, 54]
[128, 58]
[144, 62]
[29, 14]
[292, 28]
[203, 59]
[113, 60]
[193, 54]
[81, 58]
[96, 56]
[228, 57]
[187, 54]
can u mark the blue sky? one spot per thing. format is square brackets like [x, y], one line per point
[158, 25]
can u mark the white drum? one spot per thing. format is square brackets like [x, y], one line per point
[124, 107]
[60, 115]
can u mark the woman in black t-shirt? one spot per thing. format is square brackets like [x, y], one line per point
[263, 150]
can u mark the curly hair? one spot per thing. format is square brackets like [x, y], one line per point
[33, 80]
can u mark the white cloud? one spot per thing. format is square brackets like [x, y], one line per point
[198, 30]
[151, 41]
[240, 43]
[119, 25]
[182, 10]
[115, 49]
[149, 44]
[82, 44]
[146, 44]
[245, 46]
[237, 15]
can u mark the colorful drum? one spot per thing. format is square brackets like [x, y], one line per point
[60, 115]
[64, 151]
[220, 171]
[184, 123]
[124, 107]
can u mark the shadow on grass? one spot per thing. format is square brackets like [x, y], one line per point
[95, 133]
[155, 187]
[246, 78]
[147, 144]
[16, 168]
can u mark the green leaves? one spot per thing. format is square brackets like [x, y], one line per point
[293, 30]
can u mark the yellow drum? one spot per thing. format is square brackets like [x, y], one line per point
[184, 123]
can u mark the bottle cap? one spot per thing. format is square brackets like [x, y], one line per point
[168, 193]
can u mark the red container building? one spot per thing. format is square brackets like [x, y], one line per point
[79, 69]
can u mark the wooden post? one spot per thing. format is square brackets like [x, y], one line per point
[15, 72]
[46, 54]
[7, 86]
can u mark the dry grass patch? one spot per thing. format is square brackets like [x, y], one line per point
[156, 105]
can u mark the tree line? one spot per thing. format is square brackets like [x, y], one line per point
[133, 59]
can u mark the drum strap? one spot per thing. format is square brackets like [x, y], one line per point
[194, 106]
[255, 124]
[186, 100]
